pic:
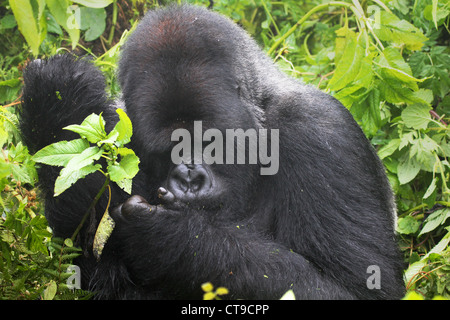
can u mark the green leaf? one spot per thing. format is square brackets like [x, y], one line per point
[94, 3]
[60, 153]
[87, 157]
[407, 169]
[348, 62]
[389, 149]
[52, 25]
[430, 189]
[125, 184]
[50, 291]
[21, 174]
[435, 219]
[93, 21]
[127, 168]
[8, 22]
[65, 18]
[27, 23]
[394, 92]
[123, 128]
[435, 13]
[400, 32]
[416, 116]
[407, 225]
[78, 167]
[68, 178]
[91, 128]
[394, 68]
[68, 242]
[374, 108]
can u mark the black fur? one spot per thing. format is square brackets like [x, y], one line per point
[314, 227]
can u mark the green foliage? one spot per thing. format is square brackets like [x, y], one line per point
[35, 18]
[78, 158]
[31, 261]
[388, 63]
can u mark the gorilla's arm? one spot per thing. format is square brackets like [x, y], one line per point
[189, 249]
[58, 92]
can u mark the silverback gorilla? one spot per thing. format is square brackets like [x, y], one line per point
[322, 225]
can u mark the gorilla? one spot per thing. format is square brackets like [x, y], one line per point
[321, 225]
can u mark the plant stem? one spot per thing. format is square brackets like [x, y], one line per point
[113, 24]
[91, 207]
[305, 17]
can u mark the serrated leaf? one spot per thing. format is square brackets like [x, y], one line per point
[127, 168]
[407, 225]
[349, 62]
[416, 116]
[126, 185]
[389, 149]
[87, 157]
[67, 179]
[91, 128]
[123, 129]
[435, 219]
[78, 167]
[392, 91]
[60, 153]
[21, 174]
[393, 67]
[400, 32]
[407, 170]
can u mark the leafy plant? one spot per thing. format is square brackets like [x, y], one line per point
[29, 263]
[78, 159]
[388, 63]
[36, 18]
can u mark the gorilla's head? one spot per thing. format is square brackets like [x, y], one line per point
[170, 78]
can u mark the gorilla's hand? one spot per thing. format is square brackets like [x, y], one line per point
[133, 208]
[156, 243]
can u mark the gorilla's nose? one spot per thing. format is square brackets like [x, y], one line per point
[189, 178]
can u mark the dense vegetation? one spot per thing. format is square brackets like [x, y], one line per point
[387, 61]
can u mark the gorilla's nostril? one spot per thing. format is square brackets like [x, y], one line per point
[197, 183]
[189, 178]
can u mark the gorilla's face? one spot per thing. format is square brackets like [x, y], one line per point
[172, 93]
